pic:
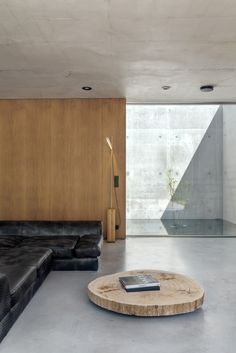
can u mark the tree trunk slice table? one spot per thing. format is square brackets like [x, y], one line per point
[178, 295]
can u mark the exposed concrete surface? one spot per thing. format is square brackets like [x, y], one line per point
[199, 193]
[172, 143]
[229, 162]
[180, 227]
[60, 318]
[121, 48]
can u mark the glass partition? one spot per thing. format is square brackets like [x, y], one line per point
[174, 169]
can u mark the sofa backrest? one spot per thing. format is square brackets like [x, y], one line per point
[57, 228]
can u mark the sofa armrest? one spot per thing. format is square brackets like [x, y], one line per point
[5, 299]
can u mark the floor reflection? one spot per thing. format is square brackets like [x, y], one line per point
[180, 227]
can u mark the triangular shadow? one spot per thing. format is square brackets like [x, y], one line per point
[199, 194]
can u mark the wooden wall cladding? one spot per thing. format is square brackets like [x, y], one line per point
[54, 161]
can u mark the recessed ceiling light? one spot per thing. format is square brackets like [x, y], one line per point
[207, 88]
[166, 87]
[87, 88]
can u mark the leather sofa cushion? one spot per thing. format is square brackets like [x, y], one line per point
[10, 227]
[93, 238]
[38, 228]
[75, 264]
[82, 227]
[8, 241]
[25, 256]
[89, 246]
[61, 246]
[5, 299]
[20, 279]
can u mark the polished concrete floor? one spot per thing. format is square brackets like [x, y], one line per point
[180, 227]
[60, 317]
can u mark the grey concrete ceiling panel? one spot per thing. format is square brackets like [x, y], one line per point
[121, 48]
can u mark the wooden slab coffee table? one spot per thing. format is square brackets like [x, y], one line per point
[178, 295]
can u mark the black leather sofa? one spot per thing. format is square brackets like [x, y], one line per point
[29, 250]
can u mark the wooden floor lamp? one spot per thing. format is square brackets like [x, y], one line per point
[111, 212]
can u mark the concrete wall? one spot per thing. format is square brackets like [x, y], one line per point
[199, 194]
[161, 139]
[229, 162]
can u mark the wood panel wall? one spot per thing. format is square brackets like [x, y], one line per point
[54, 161]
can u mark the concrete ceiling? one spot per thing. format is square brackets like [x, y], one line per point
[122, 48]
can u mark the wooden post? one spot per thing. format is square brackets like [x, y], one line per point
[111, 225]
